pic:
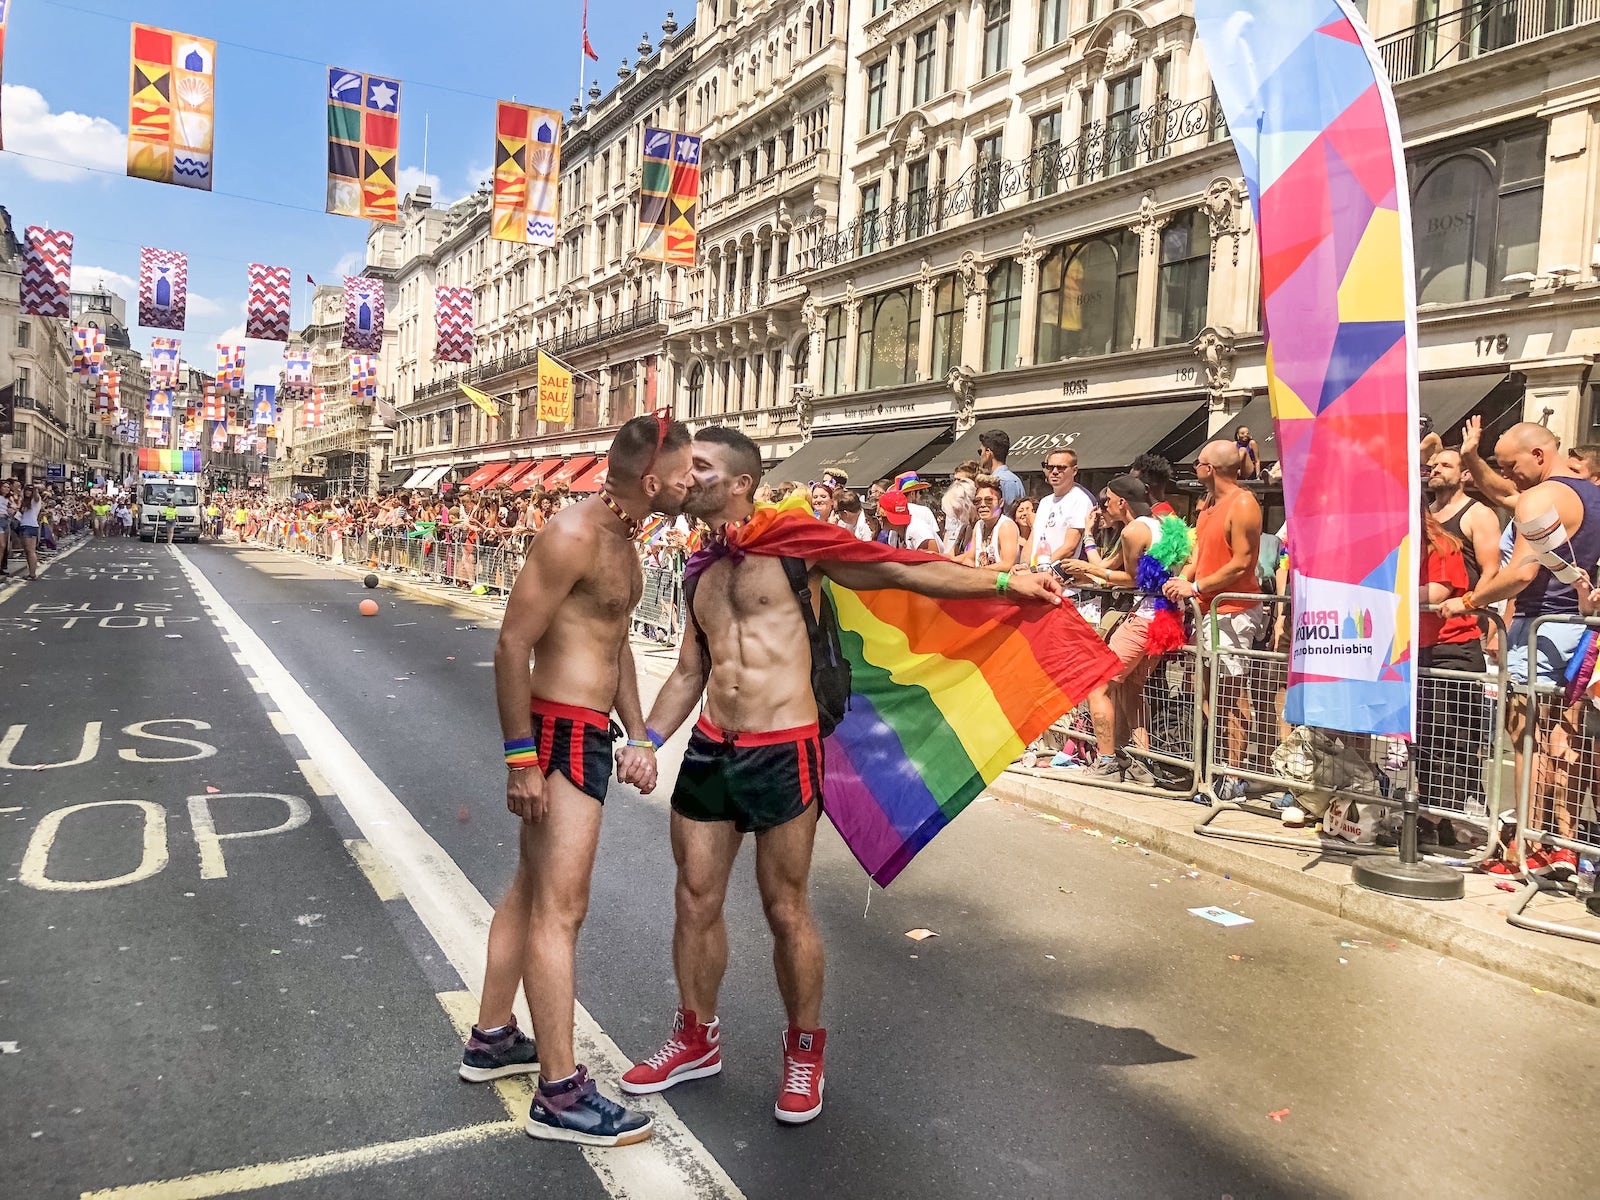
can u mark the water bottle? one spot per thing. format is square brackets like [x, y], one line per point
[1583, 881]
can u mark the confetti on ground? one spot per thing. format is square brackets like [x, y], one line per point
[1279, 1115]
[211, 790]
[1235, 958]
[463, 815]
[1221, 916]
[10, 1048]
[920, 935]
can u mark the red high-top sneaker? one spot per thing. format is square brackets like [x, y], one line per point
[694, 1051]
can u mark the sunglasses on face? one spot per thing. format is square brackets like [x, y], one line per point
[1052, 468]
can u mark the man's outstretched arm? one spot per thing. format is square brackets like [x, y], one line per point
[942, 580]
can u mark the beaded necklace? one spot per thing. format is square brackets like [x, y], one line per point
[629, 525]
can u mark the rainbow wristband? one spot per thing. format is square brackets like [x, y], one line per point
[656, 739]
[522, 754]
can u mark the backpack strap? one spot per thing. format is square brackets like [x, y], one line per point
[800, 584]
[699, 634]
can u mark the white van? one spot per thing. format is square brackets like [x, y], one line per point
[158, 490]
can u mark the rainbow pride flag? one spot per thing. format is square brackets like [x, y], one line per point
[151, 459]
[945, 694]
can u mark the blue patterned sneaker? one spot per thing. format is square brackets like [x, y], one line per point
[573, 1110]
[511, 1052]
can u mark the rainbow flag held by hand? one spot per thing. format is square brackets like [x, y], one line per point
[945, 694]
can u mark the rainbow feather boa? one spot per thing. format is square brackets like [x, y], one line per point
[1170, 550]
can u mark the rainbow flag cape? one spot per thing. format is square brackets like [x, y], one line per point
[945, 694]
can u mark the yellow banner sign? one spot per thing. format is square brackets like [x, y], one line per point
[555, 390]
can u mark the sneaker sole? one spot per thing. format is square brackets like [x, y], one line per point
[800, 1118]
[650, 1089]
[555, 1133]
[485, 1074]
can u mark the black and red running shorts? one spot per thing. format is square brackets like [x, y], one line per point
[576, 742]
[756, 780]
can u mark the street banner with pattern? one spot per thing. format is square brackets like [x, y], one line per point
[230, 369]
[212, 406]
[452, 314]
[669, 197]
[163, 288]
[88, 350]
[363, 314]
[266, 314]
[363, 145]
[160, 405]
[363, 376]
[1313, 120]
[527, 174]
[264, 407]
[46, 272]
[164, 357]
[171, 107]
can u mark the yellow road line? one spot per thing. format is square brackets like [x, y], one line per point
[318, 783]
[315, 1166]
[280, 722]
[515, 1092]
[373, 867]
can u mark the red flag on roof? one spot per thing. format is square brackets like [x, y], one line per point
[587, 48]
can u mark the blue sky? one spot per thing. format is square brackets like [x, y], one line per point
[66, 98]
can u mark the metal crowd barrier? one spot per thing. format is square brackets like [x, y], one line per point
[446, 558]
[660, 615]
[1166, 728]
[1558, 777]
[1455, 765]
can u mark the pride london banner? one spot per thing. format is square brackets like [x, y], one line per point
[669, 197]
[1314, 123]
[171, 107]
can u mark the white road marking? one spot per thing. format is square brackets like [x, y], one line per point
[16, 587]
[673, 1165]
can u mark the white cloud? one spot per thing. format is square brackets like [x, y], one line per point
[87, 278]
[58, 146]
[412, 178]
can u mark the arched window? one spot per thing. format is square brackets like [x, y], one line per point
[833, 352]
[949, 321]
[1004, 316]
[1185, 282]
[800, 361]
[1087, 293]
[1476, 218]
[697, 390]
[886, 354]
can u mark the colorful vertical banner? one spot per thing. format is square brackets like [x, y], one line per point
[163, 288]
[88, 350]
[102, 399]
[527, 174]
[363, 145]
[555, 390]
[4, 13]
[1314, 123]
[363, 314]
[669, 197]
[267, 309]
[172, 107]
[219, 439]
[363, 376]
[230, 369]
[160, 405]
[452, 316]
[313, 412]
[46, 272]
[164, 358]
[212, 406]
[264, 407]
[296, 369]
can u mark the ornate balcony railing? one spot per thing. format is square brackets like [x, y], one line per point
[1104, 149]
[1477, 28]
[640, 316]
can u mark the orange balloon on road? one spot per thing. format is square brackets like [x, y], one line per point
[369, 608]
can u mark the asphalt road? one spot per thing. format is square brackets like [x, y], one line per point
[274, 1012]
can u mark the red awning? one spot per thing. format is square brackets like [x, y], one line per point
[576, 465]
[517, 471]
[537, 475]
[484, 476]
[589, 481]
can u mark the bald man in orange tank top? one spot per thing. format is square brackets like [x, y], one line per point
[1227, 545]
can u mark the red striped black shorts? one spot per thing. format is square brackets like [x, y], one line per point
[577, 743]
[756, 780]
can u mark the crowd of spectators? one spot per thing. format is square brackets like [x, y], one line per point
[36, 518]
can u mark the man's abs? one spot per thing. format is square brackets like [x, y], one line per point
[760, 659]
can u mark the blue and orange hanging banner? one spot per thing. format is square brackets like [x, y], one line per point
[1313, 119]
[363, 145]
